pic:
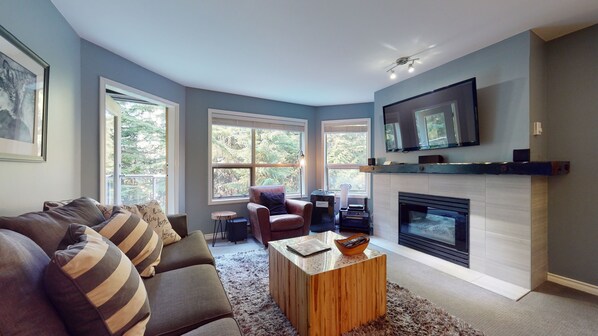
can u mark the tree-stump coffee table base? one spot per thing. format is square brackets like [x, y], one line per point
[327, 293]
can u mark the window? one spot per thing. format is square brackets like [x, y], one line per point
[138, 147]
[346, 146]
[252, 149]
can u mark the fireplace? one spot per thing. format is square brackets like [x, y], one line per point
[435, 225]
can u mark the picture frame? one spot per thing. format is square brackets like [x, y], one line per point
[24, 86]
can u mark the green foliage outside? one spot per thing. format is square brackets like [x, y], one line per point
[233, 146]
[349, 148]
[143, 153]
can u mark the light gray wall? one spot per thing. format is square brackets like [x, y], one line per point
[502, 72]
[26, 185]
[336, 112]
[572, 93]
[98, 62]
[198, 103]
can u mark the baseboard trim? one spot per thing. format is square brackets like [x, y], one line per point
[572, 283]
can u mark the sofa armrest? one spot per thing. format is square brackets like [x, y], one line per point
[179, 223]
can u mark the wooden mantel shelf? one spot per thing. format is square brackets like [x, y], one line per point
[544, 168]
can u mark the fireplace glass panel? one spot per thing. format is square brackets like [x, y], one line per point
[435, 225]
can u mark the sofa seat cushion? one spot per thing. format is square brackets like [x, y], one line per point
[223, 327]
[191, 250]
[25, 309]
[184, 299]
[47, 228]
[95, 287]
[285, 222]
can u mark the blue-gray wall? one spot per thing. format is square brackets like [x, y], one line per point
[24, 186]
[502, 74]
[198, 103]
[98, 62]
[572, 102]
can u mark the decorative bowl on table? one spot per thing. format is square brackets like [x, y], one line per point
[352, 245]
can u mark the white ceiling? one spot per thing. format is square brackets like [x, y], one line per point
[313, 52]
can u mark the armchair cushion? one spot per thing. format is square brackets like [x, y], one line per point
[275, 202]
[285, 222]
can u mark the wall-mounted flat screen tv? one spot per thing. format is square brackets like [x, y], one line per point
[443, 118]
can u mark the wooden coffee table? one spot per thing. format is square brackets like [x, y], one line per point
[327, 293]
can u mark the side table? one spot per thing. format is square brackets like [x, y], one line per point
[220, 219]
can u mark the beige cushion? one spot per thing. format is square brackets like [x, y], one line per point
[152, 213]
[95, 287]
[135, 238]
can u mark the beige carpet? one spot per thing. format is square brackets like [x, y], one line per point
[245, 278]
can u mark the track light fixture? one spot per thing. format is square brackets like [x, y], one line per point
[402, 61]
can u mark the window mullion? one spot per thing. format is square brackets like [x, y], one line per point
[252, 174]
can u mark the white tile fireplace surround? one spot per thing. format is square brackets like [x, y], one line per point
[508, 223]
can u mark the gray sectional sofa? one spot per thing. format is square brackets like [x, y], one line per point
[185, 296]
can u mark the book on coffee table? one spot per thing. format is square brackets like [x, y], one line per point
[308, 247]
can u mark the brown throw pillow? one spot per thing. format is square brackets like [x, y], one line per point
[95, 287]
[135, 238]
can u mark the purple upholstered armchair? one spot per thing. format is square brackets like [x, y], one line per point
[266, 226]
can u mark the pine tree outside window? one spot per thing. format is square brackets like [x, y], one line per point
[346, 146]
[251, 149]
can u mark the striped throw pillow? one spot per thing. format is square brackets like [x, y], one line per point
[135, 238]
[95, 287]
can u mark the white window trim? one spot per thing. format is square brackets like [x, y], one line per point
[250, 116]
[172, 138]
[369, 153]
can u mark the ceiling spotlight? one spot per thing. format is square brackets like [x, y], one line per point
[401, 61]
[411, 68]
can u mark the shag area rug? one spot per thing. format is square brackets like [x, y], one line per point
[245, 279]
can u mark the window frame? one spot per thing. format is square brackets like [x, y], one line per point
[174, 187]
[265, 118]
[325, 166]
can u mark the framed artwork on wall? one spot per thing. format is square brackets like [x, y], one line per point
[24, 79]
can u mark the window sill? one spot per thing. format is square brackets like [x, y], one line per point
[228, 201]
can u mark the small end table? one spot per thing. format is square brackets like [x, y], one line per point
[220, 219]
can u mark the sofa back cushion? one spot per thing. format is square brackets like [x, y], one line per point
[47, 228]
[95, 287]
[25, 308]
